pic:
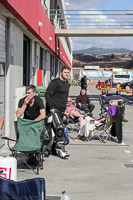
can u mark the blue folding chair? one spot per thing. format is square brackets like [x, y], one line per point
[30, 189]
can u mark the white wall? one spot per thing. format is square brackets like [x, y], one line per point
[14, 74]
[47, 76]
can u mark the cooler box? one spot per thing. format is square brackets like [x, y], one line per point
[40, 91]
[8, 167]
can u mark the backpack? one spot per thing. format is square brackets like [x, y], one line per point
[113, 130]
[112, 110]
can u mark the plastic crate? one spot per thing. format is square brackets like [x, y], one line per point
[40, 91]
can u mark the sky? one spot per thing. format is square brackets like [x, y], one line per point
[101, 42]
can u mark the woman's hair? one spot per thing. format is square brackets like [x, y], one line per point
[104, 92]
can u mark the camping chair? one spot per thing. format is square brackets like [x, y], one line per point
[30, 143]
[72, 124]
[102, 130]
[33, 189]
[104, 107]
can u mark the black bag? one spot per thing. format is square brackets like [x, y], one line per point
[58, 127]
[113, 130]
[61, 133]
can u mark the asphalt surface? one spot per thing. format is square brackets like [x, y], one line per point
[94, 170]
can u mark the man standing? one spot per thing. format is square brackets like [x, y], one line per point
[84, 82]
[56, 100]
[57, 92]
[31, 106]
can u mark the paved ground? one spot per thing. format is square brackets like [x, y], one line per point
[95, 170]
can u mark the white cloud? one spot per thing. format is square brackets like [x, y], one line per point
[94, 19]
[103, 42]
[84, 4]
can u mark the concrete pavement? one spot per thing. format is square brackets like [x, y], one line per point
[94, 170]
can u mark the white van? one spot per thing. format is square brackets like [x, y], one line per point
[121, 78]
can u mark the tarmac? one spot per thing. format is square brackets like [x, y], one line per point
[94, 170]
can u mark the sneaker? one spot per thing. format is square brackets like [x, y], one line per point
[125, 120]
[67, 154]
[84, 138]
[61, 154]
[79, 136]
[121, 143]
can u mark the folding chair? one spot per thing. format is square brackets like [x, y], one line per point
[33, 189]
[103, 108]
[93, 133]
[73, 124]
[102, 130]
[30, 143]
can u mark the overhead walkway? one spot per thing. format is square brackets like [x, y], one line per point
[93, 33]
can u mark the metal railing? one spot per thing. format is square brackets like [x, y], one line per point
[92, 19]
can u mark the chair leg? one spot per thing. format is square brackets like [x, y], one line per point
[41, 161]
[33, 161]
[95, 135]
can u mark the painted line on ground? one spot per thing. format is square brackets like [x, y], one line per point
[127, 151]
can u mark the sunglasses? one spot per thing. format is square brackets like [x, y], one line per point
[68, 101]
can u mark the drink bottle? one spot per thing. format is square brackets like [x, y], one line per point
[64, 196]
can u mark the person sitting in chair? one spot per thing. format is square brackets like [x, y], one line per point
[83, 102]
[105, 102]
[72, 111]
[31, 105]
[1, 125]
[97, 122]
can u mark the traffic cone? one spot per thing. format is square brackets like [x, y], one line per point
[108, 88]
[129, 90]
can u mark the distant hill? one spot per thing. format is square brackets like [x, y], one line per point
[97, 51]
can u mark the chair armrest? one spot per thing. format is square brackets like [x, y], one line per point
[6, 138]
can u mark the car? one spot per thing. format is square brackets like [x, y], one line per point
[109, 82]
[127, 84]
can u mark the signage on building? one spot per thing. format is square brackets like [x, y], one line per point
[108, 69]
[91, 67]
